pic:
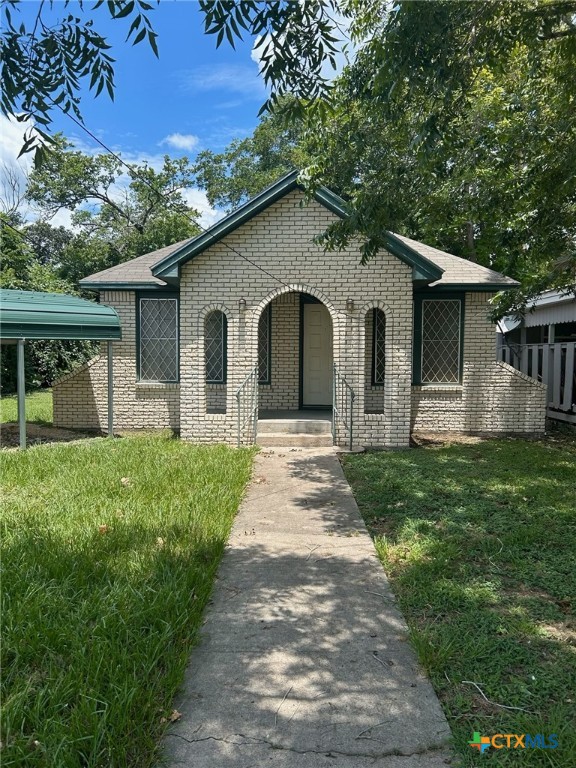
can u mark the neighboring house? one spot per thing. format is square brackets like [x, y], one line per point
[543, 344]
[252, 316]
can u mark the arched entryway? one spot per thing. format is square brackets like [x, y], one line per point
[295, 364]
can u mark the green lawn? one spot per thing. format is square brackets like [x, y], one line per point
[38, 407]
[479, 543]
[109, 550]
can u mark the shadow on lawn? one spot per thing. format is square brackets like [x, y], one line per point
[479, 543]
[97, 636]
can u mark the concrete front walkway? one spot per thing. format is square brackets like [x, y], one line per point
[303, 660]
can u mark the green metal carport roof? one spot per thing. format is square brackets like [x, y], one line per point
[27, 315]
[36, 315]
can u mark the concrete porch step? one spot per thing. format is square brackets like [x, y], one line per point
[295, 426]
[293, 440]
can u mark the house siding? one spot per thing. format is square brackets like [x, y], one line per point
[283, 391]
[279, 242]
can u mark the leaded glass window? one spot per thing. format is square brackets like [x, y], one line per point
[264, 347]
[440, 341]
[159, 339]
[378, 346]
[215, 342]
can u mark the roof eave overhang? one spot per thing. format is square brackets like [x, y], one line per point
[123, 286]
[12, 331]
[473, 287]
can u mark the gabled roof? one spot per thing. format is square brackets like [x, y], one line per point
[159, 268]
[37, 315]
[169, 266]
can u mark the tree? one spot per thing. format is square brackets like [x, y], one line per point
[43, 67]
[118, 213]
[498, 188]
[249, 165]
[45, 360]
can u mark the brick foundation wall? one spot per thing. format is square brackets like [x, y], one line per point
[81, 399]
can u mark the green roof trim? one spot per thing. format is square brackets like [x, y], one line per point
[167, 267]
[37, 315]
[423, 267]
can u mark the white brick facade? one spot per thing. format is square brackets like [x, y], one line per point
[284, 263]
[81, 398]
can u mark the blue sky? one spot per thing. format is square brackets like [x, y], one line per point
[193, 97]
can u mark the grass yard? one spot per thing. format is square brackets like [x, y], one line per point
[479, 543]
[109, 551]
[38, 407]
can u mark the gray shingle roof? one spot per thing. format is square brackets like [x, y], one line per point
[136, 271]
[456, 270]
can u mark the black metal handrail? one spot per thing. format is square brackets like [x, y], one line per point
[247, 407]
[343, 397]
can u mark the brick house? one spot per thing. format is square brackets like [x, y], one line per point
[252, 321]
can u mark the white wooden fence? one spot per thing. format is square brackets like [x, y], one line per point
[553, 365]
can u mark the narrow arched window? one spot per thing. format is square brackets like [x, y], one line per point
[378, 347]
[215, 346]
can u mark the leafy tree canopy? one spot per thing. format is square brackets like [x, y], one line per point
[249, 165]
[118, 213]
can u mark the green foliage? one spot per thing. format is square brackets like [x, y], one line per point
[469, 144]
[98, 622]
[296, 40]
[45, 65]
[21, 269]
[479, 544]
[247, 166]
[115, 218]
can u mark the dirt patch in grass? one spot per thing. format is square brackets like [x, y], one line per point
[563, 631]
[37, 434]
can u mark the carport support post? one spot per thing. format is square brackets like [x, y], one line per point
[21, 389]
[110, 391]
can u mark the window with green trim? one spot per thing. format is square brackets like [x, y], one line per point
[158, 339]
[378, 347]
[438, 340]
[215, 346]
[264, 373]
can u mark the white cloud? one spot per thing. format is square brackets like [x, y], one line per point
[197, 199]
[12, 138]
[14, 170]
[223, 77]
[185, 141]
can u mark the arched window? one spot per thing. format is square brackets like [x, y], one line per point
[215, 346]
[378, 347]
[375, 361]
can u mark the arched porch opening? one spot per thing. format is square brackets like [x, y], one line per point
[295, 356]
